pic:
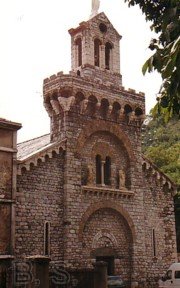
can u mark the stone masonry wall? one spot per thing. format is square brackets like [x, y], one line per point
[95, 114]
[40, 199]
[76, 200]
[88, 37]
[83, 134]
[158, 215]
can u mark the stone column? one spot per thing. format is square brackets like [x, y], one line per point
[8, 166]
[40, 271]
[100, 274]
[102, 57]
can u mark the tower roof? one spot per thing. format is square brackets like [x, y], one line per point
[101, 17]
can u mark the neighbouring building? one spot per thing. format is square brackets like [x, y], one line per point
[85, 192]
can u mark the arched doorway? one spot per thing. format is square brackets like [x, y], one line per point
[107, 255]
[107, 237]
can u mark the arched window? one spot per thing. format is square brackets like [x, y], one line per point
[98, 170]
[97, 44]
[107, 171]
[108, 49]
[79, 51]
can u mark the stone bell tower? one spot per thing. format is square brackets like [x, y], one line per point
[101, 123]
[95, 48]
[94, 82]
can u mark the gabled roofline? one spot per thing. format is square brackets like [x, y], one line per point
[159, 174]
[40, 155]
[29, 140]
[84, 24]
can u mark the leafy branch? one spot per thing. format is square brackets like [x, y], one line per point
[165, 18]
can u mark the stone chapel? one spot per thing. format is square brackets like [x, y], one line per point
[84, 192]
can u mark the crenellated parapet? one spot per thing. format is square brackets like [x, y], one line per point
[70, 92]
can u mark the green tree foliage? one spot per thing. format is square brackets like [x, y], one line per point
[165, 19]
[161, 144]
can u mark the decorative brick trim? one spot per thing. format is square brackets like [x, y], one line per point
[107, 235]
[147, 165]
[40, 156]
[95, 126]
[106, 192]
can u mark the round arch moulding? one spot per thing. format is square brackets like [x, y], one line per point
[112, 128]
[106, 205]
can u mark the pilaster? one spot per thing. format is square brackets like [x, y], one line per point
[8, 172]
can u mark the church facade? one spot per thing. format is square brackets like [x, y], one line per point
[85, 192]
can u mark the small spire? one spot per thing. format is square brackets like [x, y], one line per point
[95, 8]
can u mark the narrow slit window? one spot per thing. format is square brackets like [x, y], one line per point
[154, 242]
[47, 238]
[98, 170]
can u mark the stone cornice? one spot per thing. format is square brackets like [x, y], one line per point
[6, 257]
[5, 149]
[64, 93]
[6, 124]
[106, 192]
[57, 81]
[6, 201]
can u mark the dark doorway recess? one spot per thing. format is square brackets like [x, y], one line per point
[110, 262]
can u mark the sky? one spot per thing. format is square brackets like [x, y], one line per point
[35, 44]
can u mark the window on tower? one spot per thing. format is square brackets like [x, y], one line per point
[79, 51]
[97, 44]
[108, 49]
[107, 171]
[102, 27]
[98, 170]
